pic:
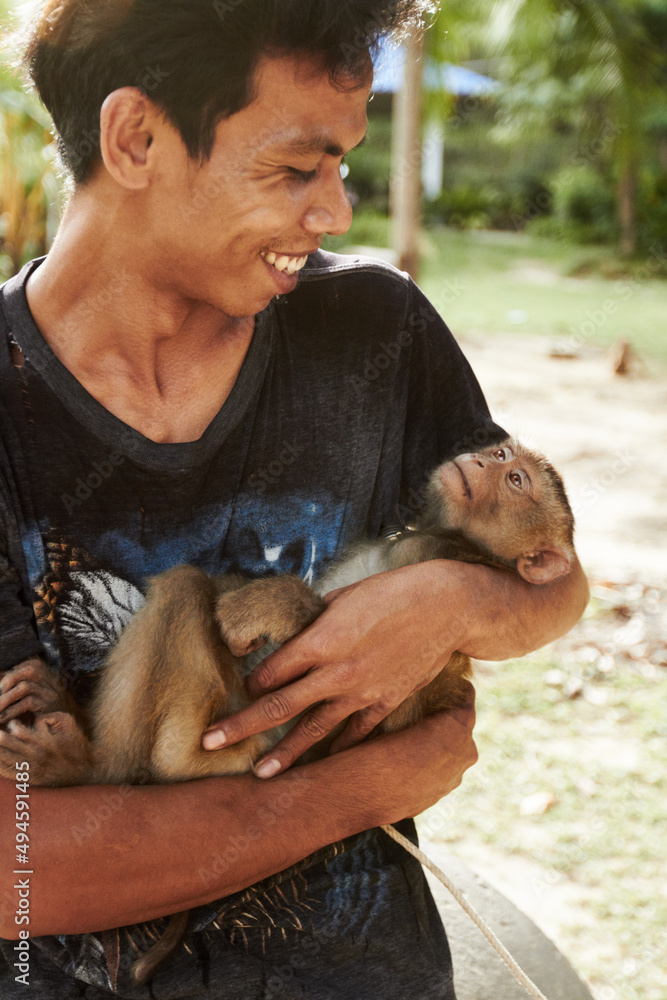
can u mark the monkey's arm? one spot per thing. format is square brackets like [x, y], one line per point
[109, 834]
[389, 635]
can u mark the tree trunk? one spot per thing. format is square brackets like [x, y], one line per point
[627, 207]
[406, 159]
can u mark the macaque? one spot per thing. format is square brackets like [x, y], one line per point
[177, 666]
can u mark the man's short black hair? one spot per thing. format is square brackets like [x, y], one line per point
[195, 58]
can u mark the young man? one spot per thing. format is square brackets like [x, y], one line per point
[161, 405]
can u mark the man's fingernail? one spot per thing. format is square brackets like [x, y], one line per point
[267, 768]
[214, 740]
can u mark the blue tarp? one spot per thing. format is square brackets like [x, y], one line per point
[457, 80]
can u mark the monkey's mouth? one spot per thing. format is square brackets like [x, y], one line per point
[465, 481]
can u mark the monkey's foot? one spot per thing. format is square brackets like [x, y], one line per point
[274, 609]
[55, 749]
[30, 687]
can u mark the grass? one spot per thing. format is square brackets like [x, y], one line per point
[602, 759]
[499, 282]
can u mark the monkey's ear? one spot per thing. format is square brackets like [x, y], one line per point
[544, 565]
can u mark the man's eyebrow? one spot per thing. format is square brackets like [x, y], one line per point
[306, 145]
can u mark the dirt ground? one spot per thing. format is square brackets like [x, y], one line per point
[607, 434]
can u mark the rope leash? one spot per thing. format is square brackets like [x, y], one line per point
[495, 943]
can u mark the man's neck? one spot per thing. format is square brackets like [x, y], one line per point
[133, 343]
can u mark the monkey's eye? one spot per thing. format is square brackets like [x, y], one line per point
[502, 454]
[516, 479]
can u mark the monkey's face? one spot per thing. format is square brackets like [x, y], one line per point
[508, 499]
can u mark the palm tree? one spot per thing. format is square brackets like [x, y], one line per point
[562, 57]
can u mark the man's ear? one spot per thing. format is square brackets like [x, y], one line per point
[544, 565]
[127, 121]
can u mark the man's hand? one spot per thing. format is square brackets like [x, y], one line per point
[379, 641]
[387, 636]
[424, 763]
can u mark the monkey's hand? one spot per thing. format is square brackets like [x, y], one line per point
[55, 748]
[31, 687]
[274, 609]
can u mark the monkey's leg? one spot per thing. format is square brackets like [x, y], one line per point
[56, 750]
[274, 609]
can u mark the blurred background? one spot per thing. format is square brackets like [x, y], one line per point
[516, 166]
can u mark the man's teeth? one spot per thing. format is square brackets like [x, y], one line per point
[288, 265]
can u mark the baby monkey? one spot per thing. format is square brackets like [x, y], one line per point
[177, 667]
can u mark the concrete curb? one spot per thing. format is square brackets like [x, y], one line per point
[479, 973]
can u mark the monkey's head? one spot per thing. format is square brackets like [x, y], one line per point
[512, 502]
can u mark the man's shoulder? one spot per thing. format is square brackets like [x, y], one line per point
[325, 265]
[351, 292]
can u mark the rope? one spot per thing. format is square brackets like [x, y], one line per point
[495, 943]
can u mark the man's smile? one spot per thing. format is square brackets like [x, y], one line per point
[284, 263]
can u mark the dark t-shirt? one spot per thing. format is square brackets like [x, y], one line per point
[351, 391]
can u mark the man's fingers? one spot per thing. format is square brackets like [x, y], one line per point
[358, 727]
[287, 664]
[272, 710]
[309, 730]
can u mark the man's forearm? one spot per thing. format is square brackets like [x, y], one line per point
[105, 856]
[500, 615]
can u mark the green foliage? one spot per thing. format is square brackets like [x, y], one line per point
[592, 71]
[583, 209]
[369, 228]
[29, 185]
[368, 180]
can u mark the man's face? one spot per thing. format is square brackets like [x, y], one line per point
[271, 189]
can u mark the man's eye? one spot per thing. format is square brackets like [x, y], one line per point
[344, 169]
[303, 175]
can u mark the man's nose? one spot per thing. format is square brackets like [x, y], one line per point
[330, 211]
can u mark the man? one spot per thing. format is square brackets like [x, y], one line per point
[160, 406]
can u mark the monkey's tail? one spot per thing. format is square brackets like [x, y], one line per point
[144, 967]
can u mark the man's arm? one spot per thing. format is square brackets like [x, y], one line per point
[94, 854]
[387, 636]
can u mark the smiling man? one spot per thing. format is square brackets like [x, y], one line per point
[187, 378]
